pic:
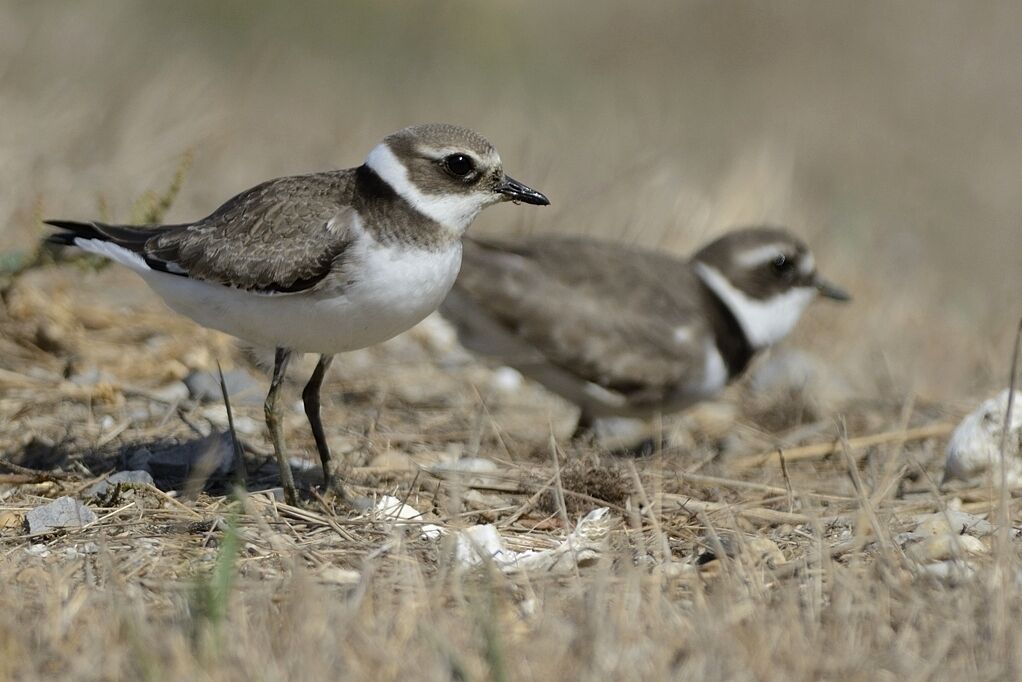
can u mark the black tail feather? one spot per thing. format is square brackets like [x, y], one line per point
[129, 236]
[72, 229]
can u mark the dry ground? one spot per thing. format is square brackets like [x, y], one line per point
[885, 134]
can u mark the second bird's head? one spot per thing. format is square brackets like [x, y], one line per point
[766, 277]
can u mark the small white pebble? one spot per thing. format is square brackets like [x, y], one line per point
[506, 380]
[952, 570]
[436, 333]
[944, 547]
[217, 414]
[339, 576]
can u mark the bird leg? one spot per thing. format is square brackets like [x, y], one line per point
[273, 423]
[310, 396]
[584, 429]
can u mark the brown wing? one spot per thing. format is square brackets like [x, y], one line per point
[605, 313]
[281, 236]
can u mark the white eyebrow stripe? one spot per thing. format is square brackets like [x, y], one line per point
[489, 159]
[760, 255]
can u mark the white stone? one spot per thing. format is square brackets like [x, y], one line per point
[973, 451]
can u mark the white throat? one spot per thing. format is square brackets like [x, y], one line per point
[764, 322]
[454, 211]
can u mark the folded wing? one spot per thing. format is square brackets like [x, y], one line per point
[283, 236]
[549, 299]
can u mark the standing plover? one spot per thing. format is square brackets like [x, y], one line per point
[326, 262]
[626, 332]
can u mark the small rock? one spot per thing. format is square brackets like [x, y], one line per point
[392, 460]
[436, 334]
[711, 420]
[11, 520]
[465, 465]
[673, 569]
[336, 575]
[944, 547]
[40, 550]
[102, 488]
[974, 448]
[81, 550]
[275, 494]
[621, 432]
[171, 393]
[957, 522]
[765, 551]
[92, 377]
[759, 550]
[474, 471]
[477, 499]
[506, 380]
[388, 507]
[64, 512]
[217, 414]
[242, 387]
[953, 571]
[199, 357]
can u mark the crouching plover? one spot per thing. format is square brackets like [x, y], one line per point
[624, 332]
[326, 262]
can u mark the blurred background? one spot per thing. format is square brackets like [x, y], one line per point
[887, 134]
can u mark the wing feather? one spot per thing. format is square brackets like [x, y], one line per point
[282, 236]
[599, 328]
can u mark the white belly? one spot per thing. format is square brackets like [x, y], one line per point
[392, 290]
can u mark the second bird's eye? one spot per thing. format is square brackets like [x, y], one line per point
[459, 164]
[782, 263]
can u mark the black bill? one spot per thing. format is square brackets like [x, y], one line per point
[829, 290]
[516, 191]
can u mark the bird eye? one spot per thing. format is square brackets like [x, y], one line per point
[459, 165]
[782, 264]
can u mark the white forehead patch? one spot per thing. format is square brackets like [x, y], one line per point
[765, 322]
[454, 211]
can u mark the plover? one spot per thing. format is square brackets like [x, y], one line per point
[626, 332]
[326, 262]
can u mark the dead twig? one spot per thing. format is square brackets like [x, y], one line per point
[818, 450]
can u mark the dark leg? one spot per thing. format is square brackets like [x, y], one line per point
[273, 423]
[310, 396]
[583, 429]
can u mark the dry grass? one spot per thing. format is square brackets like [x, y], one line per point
[885, 136]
